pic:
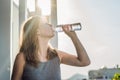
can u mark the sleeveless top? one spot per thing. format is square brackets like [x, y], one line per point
[49, 70]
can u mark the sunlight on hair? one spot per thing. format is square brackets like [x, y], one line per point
[44, 19]
[45, 6]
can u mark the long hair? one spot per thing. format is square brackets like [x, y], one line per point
[29, 44]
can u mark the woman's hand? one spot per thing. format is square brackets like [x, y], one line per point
[68, 30]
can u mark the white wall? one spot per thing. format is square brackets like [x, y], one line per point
[100, 33]
[15, 32]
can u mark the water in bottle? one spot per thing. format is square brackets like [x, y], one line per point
[74, 27]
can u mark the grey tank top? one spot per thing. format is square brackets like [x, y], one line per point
[49, 70]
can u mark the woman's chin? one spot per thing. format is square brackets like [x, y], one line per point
[51, 36]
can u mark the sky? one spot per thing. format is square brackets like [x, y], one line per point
[100, 21]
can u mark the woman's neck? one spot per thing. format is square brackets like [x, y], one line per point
[43, 47]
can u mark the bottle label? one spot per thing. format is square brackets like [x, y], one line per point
[75, 27]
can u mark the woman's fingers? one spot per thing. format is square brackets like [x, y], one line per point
[67, 28]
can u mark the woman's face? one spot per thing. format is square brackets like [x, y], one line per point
[46, 30]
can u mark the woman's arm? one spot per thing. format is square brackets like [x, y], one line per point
[18, 67]
[81, 59]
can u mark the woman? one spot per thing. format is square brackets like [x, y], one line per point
[36, 60]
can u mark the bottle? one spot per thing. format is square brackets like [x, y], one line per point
[75, 27]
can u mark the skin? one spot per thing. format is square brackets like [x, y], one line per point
[45, 33]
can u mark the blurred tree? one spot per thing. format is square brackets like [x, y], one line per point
[116, 76]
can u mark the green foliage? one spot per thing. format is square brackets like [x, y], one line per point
[116, 76]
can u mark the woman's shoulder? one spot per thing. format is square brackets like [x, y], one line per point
[20, 55]
[20, 58]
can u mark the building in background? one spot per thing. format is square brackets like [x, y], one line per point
[103, 74]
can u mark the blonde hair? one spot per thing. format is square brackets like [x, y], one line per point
[29, 44]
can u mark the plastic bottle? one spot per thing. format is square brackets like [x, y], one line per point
[75, 27]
